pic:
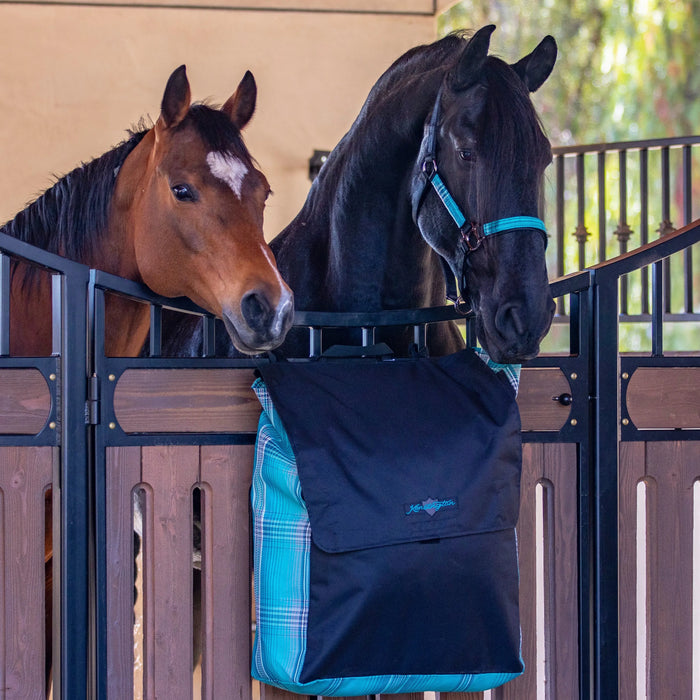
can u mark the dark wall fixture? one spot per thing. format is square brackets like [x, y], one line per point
[315, 162]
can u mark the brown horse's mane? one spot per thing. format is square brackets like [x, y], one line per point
[71, 215]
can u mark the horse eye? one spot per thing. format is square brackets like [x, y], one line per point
[184, 193]
[466, 155]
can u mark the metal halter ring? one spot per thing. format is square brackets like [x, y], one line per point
[472, 235]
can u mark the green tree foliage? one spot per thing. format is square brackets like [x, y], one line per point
[626, 70]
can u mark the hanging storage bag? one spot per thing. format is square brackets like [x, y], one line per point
[385, 497]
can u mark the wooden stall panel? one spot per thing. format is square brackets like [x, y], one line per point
[186, 401]
[25, 474]
[25, 401]
[668, 471]
[664, 397]
[225, 480]
[538, 387]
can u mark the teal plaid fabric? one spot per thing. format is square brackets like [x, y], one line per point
[282, 541]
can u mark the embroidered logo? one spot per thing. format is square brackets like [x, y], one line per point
[431, 506]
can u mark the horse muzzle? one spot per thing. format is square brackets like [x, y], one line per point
[513, 332]
[260, 324]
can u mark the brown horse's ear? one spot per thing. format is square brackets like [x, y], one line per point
[535, 68]
[176, 99]
[468, 69]
[241, 105]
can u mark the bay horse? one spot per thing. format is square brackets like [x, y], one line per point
[177, 206]
[438, 179]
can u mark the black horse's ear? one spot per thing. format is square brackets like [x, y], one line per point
[468, 69]
[176, 99]
[535, 68]
[241, 105]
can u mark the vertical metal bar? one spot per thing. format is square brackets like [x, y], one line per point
[470, 332]
[657, 308]
[5, 268]
[560, 226]
[315, 342]
[156, 331]
[581, 233]
[602, 253]
[208, 336]
[687, 218]
[623, 230]
[75, 584]
[96, 334]
[666, 225]
[582, 344]
[367, 336]
[606, 435]
[57, 302]
[644, 221]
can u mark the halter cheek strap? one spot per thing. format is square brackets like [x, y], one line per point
[472, 232]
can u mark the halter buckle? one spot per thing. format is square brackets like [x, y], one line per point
[472, 235]
[429, 167]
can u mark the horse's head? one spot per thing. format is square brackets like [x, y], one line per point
[484, 141]
[197, 214]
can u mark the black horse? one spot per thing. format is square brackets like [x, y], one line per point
[447, 156]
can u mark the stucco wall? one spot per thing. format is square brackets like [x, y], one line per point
[73, 78]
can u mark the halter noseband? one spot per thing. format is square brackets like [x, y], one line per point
[472, 232]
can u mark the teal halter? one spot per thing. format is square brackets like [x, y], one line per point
[472, 232]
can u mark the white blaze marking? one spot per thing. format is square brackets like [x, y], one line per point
[229, 169]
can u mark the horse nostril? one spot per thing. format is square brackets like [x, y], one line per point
[257, 311]
[509, 321]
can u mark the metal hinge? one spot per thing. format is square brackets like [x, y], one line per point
[92, 405]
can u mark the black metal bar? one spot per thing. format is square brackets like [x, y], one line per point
[623, 230]
[75, 582]
[626, 145]
[559, 232]
[605, 439]
[644, 220]
[666, 226]
[5, 266]
[208, 336]
[687, 218]
[657, 309]
[581, 233]
[581, 335]
[602, 214]
[155, 335]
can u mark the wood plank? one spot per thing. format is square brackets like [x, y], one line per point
[186, 401]
[25, 474]
[25, 401]
[170, 473]
[664, 397]
[123, 467]
[225, 479]
[537, 409]
[632, 471]
[561, 569]
[672, 467]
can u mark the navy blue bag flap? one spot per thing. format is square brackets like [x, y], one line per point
[400, 451]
